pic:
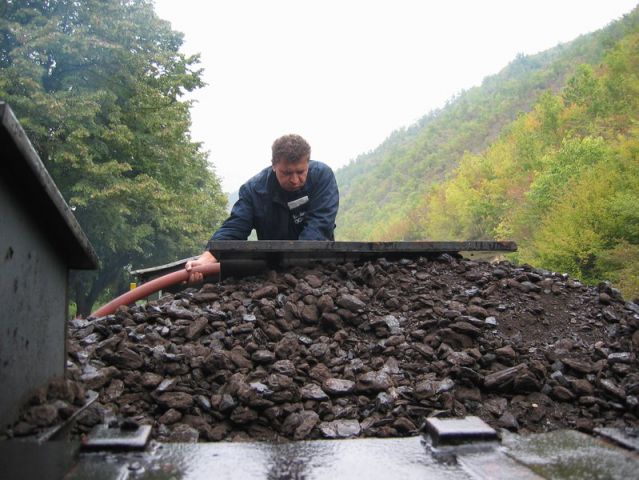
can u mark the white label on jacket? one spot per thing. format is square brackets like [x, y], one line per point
[292, 205]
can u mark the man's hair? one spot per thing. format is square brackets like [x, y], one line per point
[291, 148]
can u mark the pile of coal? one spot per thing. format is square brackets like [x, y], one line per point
[365, 350]
[48, 407]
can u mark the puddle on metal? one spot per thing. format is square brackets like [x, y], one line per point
[372, 459]
[568, 454]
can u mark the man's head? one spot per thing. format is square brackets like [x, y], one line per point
[291, 154]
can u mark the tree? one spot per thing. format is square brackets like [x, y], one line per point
[594, 223]
[98, 88]
[583, 88]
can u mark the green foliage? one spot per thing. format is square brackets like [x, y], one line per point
[621, 266]
[561, 180]
[583, 89]
[574, 157]
[567, 197]
[595, 220]
[97, 87]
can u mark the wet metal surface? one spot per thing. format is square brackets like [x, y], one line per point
[495, 465]
[628, 438]
[568, 454]
[404, 458]
[557, 455]
[479, 459]
[22, 460]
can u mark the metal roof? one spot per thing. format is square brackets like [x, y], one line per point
[23, 173]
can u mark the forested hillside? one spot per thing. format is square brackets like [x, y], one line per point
[544, 153]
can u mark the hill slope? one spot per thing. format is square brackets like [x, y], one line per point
[383, 193]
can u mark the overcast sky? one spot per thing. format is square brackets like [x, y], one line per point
[345, 73]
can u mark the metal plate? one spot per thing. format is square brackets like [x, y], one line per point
[454, 431]
[225, 249]
[241, 258]
[102, 437]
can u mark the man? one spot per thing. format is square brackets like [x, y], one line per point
[296, 198]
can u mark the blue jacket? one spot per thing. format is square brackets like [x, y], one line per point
[307, 214]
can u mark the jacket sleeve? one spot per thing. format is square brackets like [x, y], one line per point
[321, 213]
[240, 223]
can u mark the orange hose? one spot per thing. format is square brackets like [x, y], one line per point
[153, 286]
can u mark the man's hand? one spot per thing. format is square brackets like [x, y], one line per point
[206, 257]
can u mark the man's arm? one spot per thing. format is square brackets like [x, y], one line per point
[237, 227]
[240, 223]
[322, 210]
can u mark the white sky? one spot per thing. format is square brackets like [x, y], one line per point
[345, 73]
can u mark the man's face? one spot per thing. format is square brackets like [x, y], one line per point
[291, 176]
